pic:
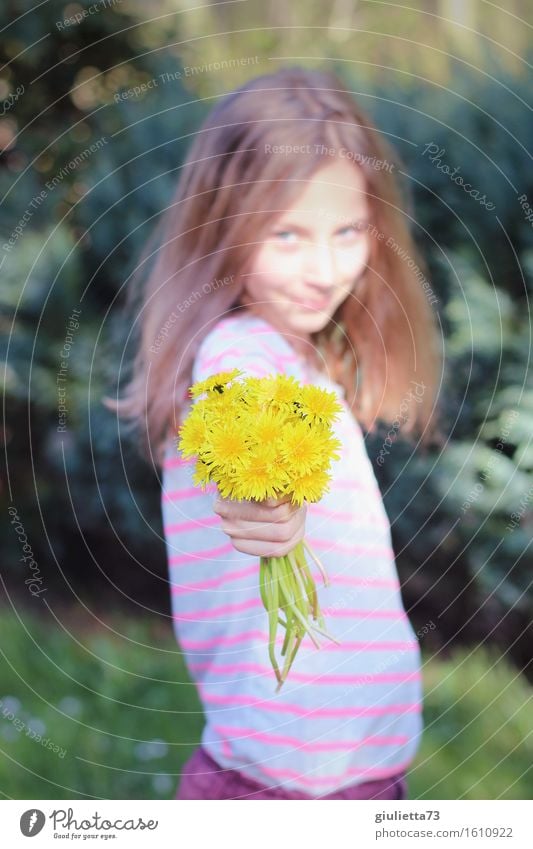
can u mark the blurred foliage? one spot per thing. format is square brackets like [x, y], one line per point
[380, 40]
[96, 499]
[103, 159]
[115, 699]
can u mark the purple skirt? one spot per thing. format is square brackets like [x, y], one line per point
[203, 778]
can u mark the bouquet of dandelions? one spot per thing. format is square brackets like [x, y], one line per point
[260, 438]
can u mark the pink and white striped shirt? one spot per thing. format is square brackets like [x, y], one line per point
[347, 713]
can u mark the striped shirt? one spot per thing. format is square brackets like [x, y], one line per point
[347, 713]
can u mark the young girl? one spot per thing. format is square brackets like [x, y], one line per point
[287, 249]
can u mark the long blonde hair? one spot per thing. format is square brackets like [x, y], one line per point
[228, 194]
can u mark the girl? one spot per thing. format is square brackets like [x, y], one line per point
[287, 249]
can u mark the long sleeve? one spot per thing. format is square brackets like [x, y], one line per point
[256, 353]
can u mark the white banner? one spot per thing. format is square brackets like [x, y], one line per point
[354, 824]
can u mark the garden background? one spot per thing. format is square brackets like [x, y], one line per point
[88, 658]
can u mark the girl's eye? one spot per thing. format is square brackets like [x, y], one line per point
[286, 236]
[291, 237]
[351, 230]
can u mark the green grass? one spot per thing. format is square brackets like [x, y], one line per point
[102, 697]
[116, 698]
[478, 738]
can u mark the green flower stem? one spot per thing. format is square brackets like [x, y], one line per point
[297, 598]
[321, 627]
[287, 587]
[262, 577]
[299, 581]
[286, 640]
[290, 627]
[299, 639]
[291, 655]
[317, 561]
[324, 633]
[273, 616]
[307, 580]
[300, 596]
[299, 556]
[285, 592]
[269, 593]
[287, 663]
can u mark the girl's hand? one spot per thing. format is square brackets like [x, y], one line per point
[268, 528]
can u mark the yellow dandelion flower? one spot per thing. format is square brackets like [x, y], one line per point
[278, 392]
[309, 487]
[319, 405]
[266, 426]
[329, 444]
[220, 407]
[192, 434]
[252, 385]
[216, 382]
[300, 448]
[234, 393]
[227, 445]
[325, 464]
[259, 477]
[202, 474]
[225, 485]
[269, 451]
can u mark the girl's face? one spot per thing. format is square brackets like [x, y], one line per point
[312, 255]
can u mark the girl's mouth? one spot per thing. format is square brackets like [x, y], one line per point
[314, 305]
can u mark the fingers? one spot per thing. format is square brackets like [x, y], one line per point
[265, 549]
[271, 510]
[274, 522]
[266, 538]
[275, 502]
[265, 531]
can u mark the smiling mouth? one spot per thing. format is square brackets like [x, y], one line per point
[314, 305]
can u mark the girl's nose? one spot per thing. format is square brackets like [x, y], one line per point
[320, 266]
